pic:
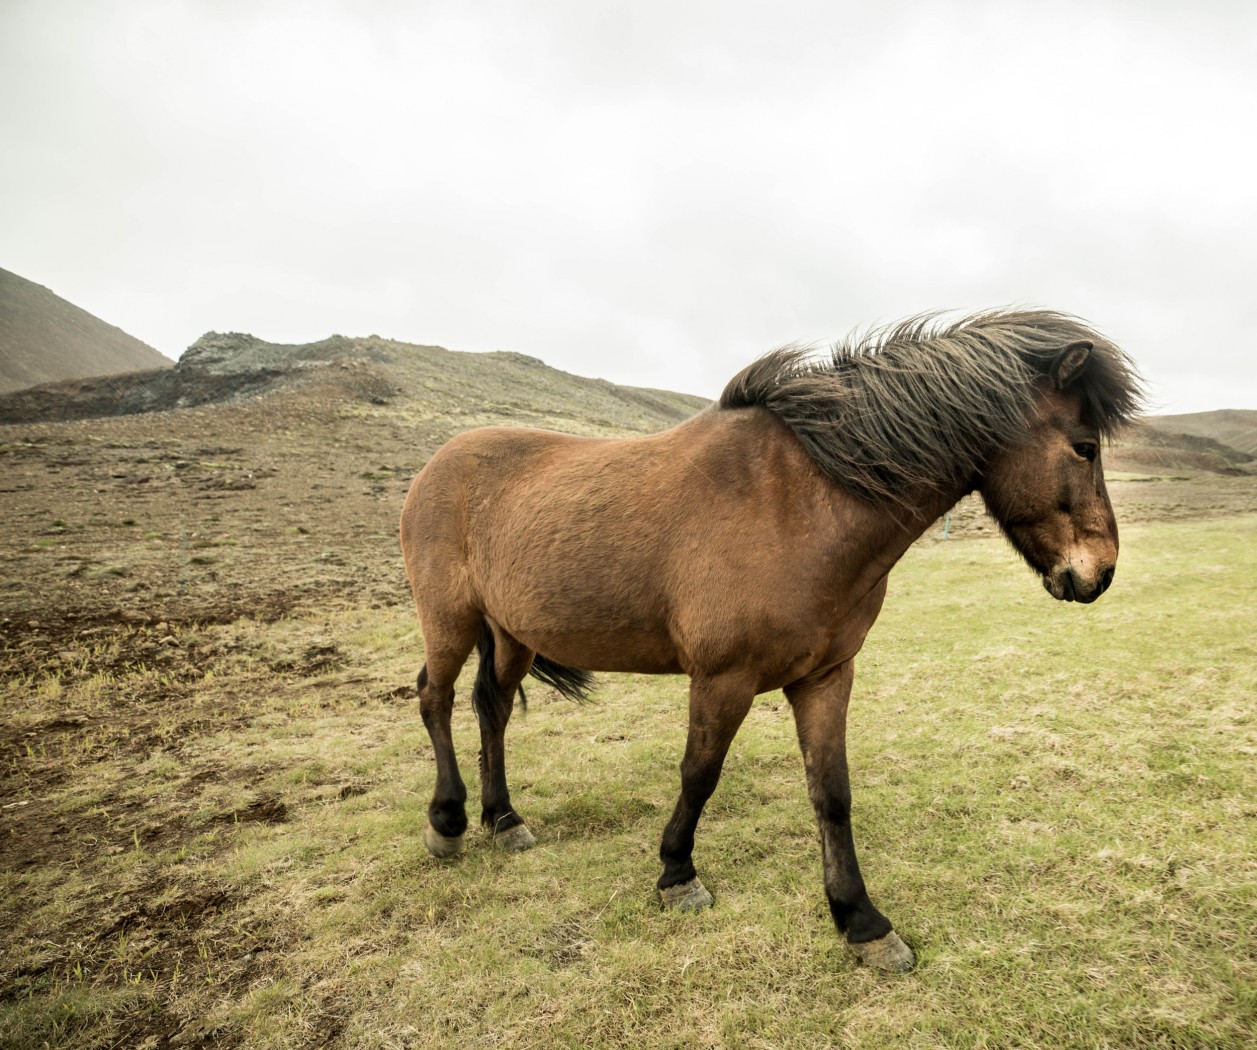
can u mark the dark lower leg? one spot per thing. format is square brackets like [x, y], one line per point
[510, 663]
[497, 814]
[849, 904]
[677, 848]
[447, 812]
[717, 708]
[820, 711]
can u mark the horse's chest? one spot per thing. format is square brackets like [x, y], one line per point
[832, 632]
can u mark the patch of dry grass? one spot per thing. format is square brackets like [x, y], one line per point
[1054, 805]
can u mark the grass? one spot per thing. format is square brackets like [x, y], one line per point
[1054, 804]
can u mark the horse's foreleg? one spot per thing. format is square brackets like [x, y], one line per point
[495, 701]
[717, 708]
[820, 714]
[447, 812]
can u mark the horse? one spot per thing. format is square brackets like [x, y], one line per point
[749, 547]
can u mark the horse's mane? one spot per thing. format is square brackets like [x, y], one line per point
[921, 405]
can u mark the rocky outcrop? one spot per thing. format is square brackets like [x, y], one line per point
[217, 367]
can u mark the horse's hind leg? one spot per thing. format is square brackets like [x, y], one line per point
[447, 812]
[820, 716]
[717, 708]
[503, 664]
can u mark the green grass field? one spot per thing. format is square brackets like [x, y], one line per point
[1054, 804]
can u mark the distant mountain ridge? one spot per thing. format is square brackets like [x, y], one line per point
[44, 339]
[438, 387]
[1221, 442]
[1236, 427]
[447, 389]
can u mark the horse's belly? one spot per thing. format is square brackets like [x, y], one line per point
[593, 650]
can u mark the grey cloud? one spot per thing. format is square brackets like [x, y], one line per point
[652, 192]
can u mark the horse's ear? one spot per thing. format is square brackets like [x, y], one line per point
[1069, 364]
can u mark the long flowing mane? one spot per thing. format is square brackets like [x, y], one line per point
[921, 405]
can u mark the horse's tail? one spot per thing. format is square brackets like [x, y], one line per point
[571, 682]
[486, 695]
[491, 707]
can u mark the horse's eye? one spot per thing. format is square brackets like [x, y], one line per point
[1087, 449]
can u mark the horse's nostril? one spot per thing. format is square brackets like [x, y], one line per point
[1106, 578]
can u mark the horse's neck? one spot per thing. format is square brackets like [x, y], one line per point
[867, 540]
[881, 535]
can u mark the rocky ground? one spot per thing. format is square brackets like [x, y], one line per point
[173, 575]
[281, 492]
[284, 492]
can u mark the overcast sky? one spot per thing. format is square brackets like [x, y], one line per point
[651, 192]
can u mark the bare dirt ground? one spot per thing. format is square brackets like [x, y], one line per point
[119, 533]
[144, 558]
[143, 555]
[260, 505]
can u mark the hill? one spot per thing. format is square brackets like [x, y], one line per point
[421, 383]
[43, 339]
[445, 391]
[254, 477]
[1188, 444]
[1235, 427]
[217, 776]
[246, 455]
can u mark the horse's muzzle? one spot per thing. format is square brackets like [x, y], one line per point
[1067, 586]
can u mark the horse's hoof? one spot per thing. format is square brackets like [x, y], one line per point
[886, 953]
[441, 845]
[515, 840]
[686, 896]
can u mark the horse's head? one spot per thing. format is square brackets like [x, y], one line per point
[1047, 491]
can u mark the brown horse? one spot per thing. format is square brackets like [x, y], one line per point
[748, 548]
